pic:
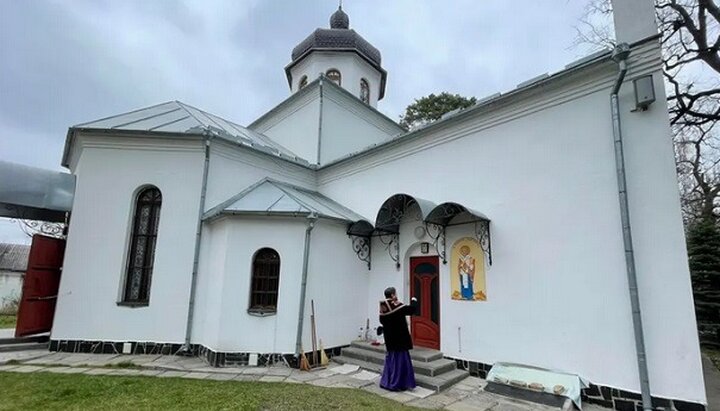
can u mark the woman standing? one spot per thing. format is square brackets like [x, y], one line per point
[398, 373]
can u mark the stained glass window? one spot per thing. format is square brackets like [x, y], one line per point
[265, 281]
[142, 246]
[365, 91]
[334, 76]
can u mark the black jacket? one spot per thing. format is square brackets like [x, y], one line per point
[392, 318]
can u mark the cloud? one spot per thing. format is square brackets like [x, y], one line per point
[64, 63]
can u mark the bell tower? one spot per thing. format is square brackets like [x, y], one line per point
[343, 57]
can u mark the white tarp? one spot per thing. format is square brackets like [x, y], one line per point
[553, 382]
[34, 193]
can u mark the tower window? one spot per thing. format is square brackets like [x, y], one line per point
[334, 76]
[365, 91]
[303, 83]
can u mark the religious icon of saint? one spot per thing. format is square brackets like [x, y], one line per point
[466, 270]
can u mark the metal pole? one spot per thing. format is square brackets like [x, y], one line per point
[311, 218]
[620, 55]
[198, 237]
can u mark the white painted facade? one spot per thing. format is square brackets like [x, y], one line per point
[10, 287]
[539, 162]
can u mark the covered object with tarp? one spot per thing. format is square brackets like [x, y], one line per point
[32, 193]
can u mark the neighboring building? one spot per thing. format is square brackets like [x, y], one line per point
[191, 231]
[13, 263]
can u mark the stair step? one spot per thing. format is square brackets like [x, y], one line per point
[436, 383]
[24, 346]
[23, 340]
[418, 353]
[430, 368]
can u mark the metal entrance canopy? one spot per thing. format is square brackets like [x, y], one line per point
[435, 217]
[31, 193]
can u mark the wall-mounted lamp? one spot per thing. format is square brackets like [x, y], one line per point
[644, 92]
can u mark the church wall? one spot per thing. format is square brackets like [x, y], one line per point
[94, 267]
[210, 281]
[338, 138]
[296, 126]
[232, 170]
[337, 281]
[239, 331]
[543, 171]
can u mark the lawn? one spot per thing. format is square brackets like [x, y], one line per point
[49, 391]
[7, 321]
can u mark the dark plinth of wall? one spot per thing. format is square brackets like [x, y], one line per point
[213, 358]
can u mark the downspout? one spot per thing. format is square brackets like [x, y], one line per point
[198, 237]
[320, 120]
[620, 55]
[311, 218]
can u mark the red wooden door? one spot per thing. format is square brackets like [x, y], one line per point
[40, 288]
[425, 286]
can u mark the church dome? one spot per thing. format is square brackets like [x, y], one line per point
[339, 37]
[339, 19]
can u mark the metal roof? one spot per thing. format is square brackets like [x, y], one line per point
[271, 197]
[34, 193]
[14, 257]
[178, 117]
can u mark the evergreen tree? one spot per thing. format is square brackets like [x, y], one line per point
[703, 243]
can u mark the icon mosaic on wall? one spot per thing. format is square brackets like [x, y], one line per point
[467, 271]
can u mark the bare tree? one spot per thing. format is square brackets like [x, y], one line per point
[690, 31]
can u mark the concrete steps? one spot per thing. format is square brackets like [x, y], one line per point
[432, 371]
[33, 342]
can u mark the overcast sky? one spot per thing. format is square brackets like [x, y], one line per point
[72, 61]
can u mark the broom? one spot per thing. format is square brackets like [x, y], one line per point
[314, 333]
[304, 364]
[324, 360]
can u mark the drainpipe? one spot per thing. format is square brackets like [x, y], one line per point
[311, 218]
[198, 237]
[620, 55]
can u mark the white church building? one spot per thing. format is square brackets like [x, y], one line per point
[541, 226]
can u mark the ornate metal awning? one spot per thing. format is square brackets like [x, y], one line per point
[435, 218]
[450, 214]
[395, 208]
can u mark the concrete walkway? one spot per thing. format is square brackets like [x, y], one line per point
[712, 384]
[467, 395]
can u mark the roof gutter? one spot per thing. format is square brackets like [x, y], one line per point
[311, 219]
[198, 237]
[620, 55]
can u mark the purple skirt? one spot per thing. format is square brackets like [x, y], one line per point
[398, 373]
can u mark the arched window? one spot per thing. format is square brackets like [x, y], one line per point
[334, 76]
[365, 91]
[265, 281]
[303, 83]
[142, 246]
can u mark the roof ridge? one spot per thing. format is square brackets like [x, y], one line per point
[126, 113]
[223, 205]
[185, 107]
[284, 190]
[311, 192]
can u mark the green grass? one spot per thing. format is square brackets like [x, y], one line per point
[7, 321]
[49, 391]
